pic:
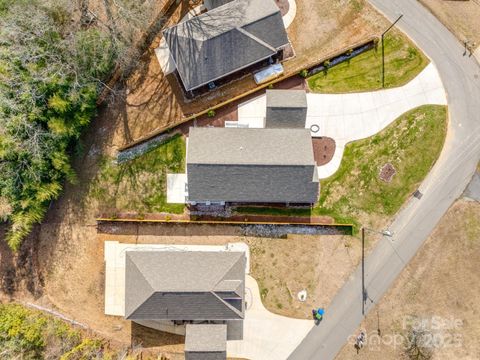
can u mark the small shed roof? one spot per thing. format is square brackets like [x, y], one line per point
[206, 338]
[286, 98]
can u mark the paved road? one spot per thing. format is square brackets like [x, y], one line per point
[446, 182]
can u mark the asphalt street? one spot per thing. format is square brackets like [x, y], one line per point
[445, 183]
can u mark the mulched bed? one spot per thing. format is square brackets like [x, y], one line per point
[323, 149]
[387, 172]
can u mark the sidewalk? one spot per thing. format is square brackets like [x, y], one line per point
[350, 117]
[266, 336]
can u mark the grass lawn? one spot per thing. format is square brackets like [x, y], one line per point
[139, 185]
[403, 61]
[355, 194]
[411, 144]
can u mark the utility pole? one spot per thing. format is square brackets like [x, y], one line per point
[383, 49]
[385, 232]
[363, 271]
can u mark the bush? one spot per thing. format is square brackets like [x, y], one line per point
[303, 73]
[29, 334]
[211, 113]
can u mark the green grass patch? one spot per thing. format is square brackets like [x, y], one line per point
[412, 143]
[355, 193]
[403, 61]
[140, 185]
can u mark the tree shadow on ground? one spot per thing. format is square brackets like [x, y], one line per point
[19, 271]
[147, 337]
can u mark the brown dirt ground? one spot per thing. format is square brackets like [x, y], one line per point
[319, 264]
[461, 17]
[442, 280]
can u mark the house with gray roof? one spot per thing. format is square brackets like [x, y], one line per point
[242, 165]
[286, 109]
[206, 342]
[186, 287]
[232, 36]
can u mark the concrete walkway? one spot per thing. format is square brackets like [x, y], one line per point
[290, 15]
[350, 117]
[266, 336]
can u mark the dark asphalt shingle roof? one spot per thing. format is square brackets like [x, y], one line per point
[225, 39]
[217, 3]
[251, 165]
[183, 285]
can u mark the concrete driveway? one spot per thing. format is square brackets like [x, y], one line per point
[354, 116]
[266, 336]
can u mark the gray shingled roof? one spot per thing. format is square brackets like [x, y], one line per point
[206, 337]
[216, 3]
[286, 98]
[244, 146]
[184, 285]
[225, 39]
[251, 165]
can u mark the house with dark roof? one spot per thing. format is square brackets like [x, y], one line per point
[286, 109]
[243, 165]
[233, 36]
[186, 287]
[206, 342]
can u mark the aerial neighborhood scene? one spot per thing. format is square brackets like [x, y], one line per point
[239, 179]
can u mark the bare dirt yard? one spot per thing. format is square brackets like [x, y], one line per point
[439, 289]
[461, 17]
[318, 264]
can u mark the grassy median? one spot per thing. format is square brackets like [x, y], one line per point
[403, 61]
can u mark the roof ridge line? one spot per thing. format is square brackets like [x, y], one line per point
[144, 278]
[230, 268]
[255, 38]
[227, 304]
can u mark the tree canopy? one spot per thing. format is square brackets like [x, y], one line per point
[52, 67]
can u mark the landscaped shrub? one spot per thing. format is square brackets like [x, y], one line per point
[303, 73]
[211, 113]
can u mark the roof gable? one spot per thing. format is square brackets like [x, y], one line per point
[181, 285]
[206, 47]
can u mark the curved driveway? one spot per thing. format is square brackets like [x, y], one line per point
[445, 183]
